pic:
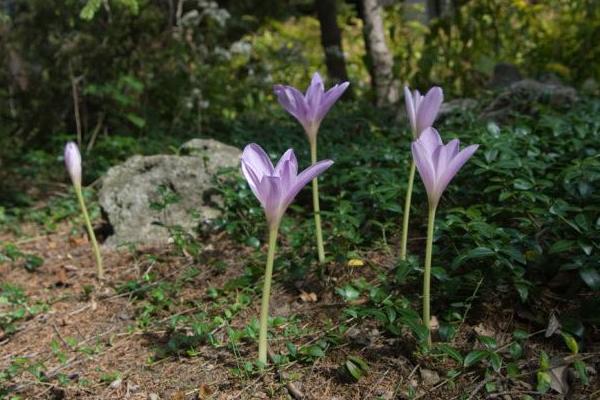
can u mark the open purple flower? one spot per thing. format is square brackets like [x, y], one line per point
[310, 109]
[276, 187]
[422, 110]
[437, 163]
[73, 162]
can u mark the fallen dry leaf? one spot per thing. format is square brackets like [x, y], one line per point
[308, 297]
[178, 395]
[354, 263]
[204, 392]
[558, 379]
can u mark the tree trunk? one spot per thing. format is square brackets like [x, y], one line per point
[434, 9]
[331, 39]
[382, 63]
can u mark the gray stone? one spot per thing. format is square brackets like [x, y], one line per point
[590, 87]
[131, 192]
[523, 95]
[457, 106]
[504, 75]
[429, 377]
[219, 153]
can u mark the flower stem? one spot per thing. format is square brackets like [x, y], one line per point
[264, 306]
[427, 272]
[90, 230]
[317, 210]
[405, 216]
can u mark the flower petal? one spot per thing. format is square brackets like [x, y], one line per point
[329, 99]
[410, 109]
[314, 94]
[252, 179]
[270, 197]
[428, 108]
[73, 162]
[287, 101]
[426, 169]
[257, 159]
[293, 101]
[445, 154]
[430, 138]
[288, 155]
[287, 169]
[305, 176]
[454, 166]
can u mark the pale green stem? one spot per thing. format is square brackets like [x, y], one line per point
[90, 230]
[405, 217]
[427, 272]
[317, 210]
[264, 306]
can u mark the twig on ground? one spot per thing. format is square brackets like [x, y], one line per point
[63, 341]
[469, 305]
[479, 386]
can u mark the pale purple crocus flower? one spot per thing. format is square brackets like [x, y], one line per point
[438, 163]
[73, 162]
[276, 187]
[73, 166]
[310, 108]
[422, 110]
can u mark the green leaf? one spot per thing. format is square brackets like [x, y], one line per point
[515, 350]
[362, 364]
[561, 246]
[348, 292]
[591, 277]
[313, 351]
[451, 351]
[570, 342]
[354, 370]
[495, 361]
[543, 381]
[493, 129]
[90, 9]
[33, 262]
[440, 274]
[521, 184]
[544, 361]
[523, 291]
[490, 386]
[520, 334]
[581, 372]
[291, 347]
[474, 357]
[478, 252]
[136, 120]
[512, 369]
[253, 241]
[487, 341]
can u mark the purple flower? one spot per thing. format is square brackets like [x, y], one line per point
[309, 109]
[422, 111]
[73, 163]
[437, 163]
[276, 187]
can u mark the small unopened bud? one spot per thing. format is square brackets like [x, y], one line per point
[73, 163]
